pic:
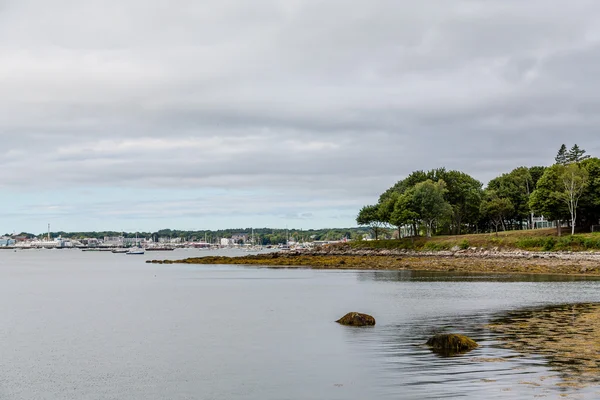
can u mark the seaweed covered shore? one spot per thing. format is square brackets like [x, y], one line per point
[567, 335]
[486, 261]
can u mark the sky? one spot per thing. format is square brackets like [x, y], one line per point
[139, 115]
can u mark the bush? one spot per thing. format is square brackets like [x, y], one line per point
[591, 243]
[549, 244]
[574, 242]
[464, 245]
[530, 243]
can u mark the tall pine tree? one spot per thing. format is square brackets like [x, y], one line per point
[576, 155]
[562, 157]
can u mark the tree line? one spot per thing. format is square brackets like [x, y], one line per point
[440, 201]
[262, 236]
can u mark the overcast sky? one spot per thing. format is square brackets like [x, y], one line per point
[190, 114]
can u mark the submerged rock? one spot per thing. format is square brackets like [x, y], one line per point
[356, 319]
[452, 343]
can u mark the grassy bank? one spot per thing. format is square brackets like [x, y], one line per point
[531, 240]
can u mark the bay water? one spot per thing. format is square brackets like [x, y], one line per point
[97, 325]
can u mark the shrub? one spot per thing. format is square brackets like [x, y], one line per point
[549, 244]
[530, 243]
[591, 243]
[464, 245]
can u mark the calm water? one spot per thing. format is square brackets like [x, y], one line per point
[85, 325]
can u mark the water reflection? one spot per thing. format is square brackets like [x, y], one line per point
[425, 303]
[408, 366]
[454, 276]
[568, 336]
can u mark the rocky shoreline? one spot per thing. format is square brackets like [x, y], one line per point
[472, 252]
[462, 260]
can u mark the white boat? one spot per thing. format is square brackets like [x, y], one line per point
[136, 250]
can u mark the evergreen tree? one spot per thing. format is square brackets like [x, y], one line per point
[562, 157]
[576, 155]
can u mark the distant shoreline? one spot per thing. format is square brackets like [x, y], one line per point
[461, 261]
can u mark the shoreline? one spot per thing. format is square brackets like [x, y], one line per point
[523, 262]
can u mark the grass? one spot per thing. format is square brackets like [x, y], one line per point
[532, 240]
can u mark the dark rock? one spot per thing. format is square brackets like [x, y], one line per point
[356, 319]
[452, 343]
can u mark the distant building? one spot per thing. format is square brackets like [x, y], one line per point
[90, 242]
[226, 242]
[239, 238]
[116, 241]
[540, 222]
[169, 240]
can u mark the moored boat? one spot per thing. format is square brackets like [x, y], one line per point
[135, 250]
[120, 250]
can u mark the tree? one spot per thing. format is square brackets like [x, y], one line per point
[576, 155]
[404, 184]
[463, 192]
[574, 181]
[562, 156]
[544, 199]
[536, 173]
[386, 207]
[496, 209]
[517, 186]
[371, 216]
[429, 203]
[588, 213]
[404, 212]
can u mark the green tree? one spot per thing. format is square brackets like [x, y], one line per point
[562, 156]
[574, 180]
[463, 192]
[464, 195]
[496, 209]
[404, 212]
[405, 184]
[371, 216]
[589, 206]
[430, 204]
[545, 199]
[576, 155]
[536, 173]
[517, 186]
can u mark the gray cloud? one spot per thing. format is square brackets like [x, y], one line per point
[322, 100]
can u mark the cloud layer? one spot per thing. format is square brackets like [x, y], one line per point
[232, 113]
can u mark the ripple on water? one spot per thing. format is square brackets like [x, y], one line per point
[500, 371]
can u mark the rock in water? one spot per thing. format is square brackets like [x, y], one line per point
[452, 343]
[356, 319]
